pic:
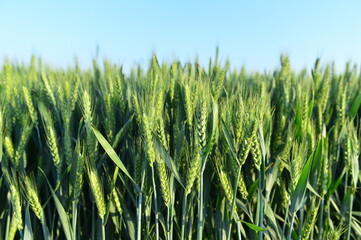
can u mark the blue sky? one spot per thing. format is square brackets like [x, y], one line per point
[253, 33]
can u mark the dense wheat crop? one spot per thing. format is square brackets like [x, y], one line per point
[179, 151]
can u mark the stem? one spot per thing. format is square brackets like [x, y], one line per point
[320, 220]
[327, 209]
[93, 222]
[139, 215]
[260, 200]
[184, 213]
[301, 220]
[346, 181]
[233, 205]
[291, 226]
[191, 219]
[350, 217]
[75, 213]
[139, 205]
[45, 228]
[200, 209]
[120, 223]
[103, 231]
[169, 217]
[285, 222]
[239, 230]
[170, 209]
[155, 205]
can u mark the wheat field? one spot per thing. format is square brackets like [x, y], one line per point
[179, 151]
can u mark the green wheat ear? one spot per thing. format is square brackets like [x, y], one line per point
[310, 221]
[97, 190]
[188, 105]
[30, 106]
[88, 121]
[202, 122]
[9, 147]
[242, 188]
[148, 137]
[193, 170]
[19, 160]
[33, 197]
[116, 201]
[16, 204]
[48, 90]
[78, 166]
[164, 181]
[51, 137]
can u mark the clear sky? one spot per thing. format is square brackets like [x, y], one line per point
[253, 33]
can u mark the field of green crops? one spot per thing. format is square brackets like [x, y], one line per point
[179, 151]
